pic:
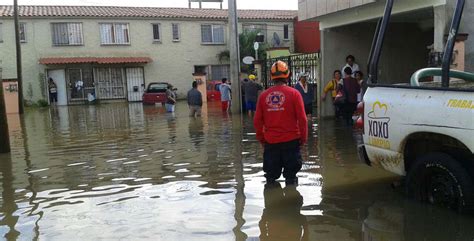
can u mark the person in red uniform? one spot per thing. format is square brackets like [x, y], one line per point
[281, 126]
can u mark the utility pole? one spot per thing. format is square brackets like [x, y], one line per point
[21, 107]
[234, 58]
[4, 136]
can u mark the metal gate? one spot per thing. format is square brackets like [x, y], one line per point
[307, 64]
[135, 83]
[110, 83]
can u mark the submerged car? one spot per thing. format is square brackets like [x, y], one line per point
[155, 93]
[213, 91]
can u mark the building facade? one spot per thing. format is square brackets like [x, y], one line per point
[417, 32]
[112, 53]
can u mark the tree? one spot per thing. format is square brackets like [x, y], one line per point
[246, 42]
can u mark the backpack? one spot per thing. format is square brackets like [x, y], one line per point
[340, 96]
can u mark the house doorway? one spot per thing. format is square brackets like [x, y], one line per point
[59, 78]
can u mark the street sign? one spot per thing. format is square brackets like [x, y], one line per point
[248, 60]
[256, 45]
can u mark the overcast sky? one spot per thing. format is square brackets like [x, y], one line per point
[241, 4]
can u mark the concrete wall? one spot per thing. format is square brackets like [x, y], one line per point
[404, 52]
[315, 8]
[172, 61]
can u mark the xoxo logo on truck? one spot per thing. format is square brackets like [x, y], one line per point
[378, 125]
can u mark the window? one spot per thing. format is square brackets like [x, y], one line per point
[114, 33]
[175, 30]
[23, 32]
[212, 34]
[67, 34]
[1, 33]
[218, 72]
[286, 35]
[156, 32]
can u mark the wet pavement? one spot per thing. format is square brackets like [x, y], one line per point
[133, 172]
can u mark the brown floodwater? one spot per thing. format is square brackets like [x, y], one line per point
[133, 172]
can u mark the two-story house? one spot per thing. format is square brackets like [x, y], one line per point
[113, 52]
[418, 29]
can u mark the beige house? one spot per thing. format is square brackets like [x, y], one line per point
[415, 37]
[114, 52]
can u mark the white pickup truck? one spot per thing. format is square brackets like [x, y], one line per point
[423, 131]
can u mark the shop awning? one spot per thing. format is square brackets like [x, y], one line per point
[95, 60]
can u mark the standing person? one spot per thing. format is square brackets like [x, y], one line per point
[281, 126]
[350, 62]
[226, 92]
[194, 101]
[170, 99]
[307, 93]
[332, 86]
[251, 89]
[53, 92]
[359, 76]
[351, 88]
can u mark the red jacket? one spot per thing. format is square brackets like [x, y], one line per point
[280, 116]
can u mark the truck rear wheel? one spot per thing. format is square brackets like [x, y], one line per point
[439, 179]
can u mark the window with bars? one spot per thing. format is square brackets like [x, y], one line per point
[114, 34]
[156, 32]
[23, 32]
[175, 31]
[212, 34]
[286, 32]
[67, 34]
[218, 72]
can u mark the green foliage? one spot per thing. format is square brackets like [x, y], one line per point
[246, 42]
[224, 55]
[29, 91]
[42, 82]
[42, 103]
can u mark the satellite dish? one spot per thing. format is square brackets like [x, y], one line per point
[276, 40]
[248, 60]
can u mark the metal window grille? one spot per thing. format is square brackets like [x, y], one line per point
[110, 83]
[114, 33]
[218, 72]
[298, 64]
[175, 30]
[22, 32]
[206, 33]
[218, 34]
[67, 33]
[212, 34]
[156, 32]
[286, 34]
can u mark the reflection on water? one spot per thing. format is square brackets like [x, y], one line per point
[125, 171]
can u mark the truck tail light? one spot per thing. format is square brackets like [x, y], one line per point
[360, 120]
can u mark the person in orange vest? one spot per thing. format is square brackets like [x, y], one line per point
[281, 126]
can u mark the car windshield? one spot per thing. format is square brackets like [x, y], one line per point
[157, 88]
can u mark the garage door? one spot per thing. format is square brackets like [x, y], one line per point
[135, 84]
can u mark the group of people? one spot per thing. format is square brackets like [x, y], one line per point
[345, 88]
[251, 90]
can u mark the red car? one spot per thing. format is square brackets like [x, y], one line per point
[213, 92]
[155, 93]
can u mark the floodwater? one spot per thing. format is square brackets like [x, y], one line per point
[129, 172]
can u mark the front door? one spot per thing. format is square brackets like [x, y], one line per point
[135, 84]
[59, 78]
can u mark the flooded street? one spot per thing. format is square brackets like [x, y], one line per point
[132, 172]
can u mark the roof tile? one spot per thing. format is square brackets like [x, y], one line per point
[142, 12]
